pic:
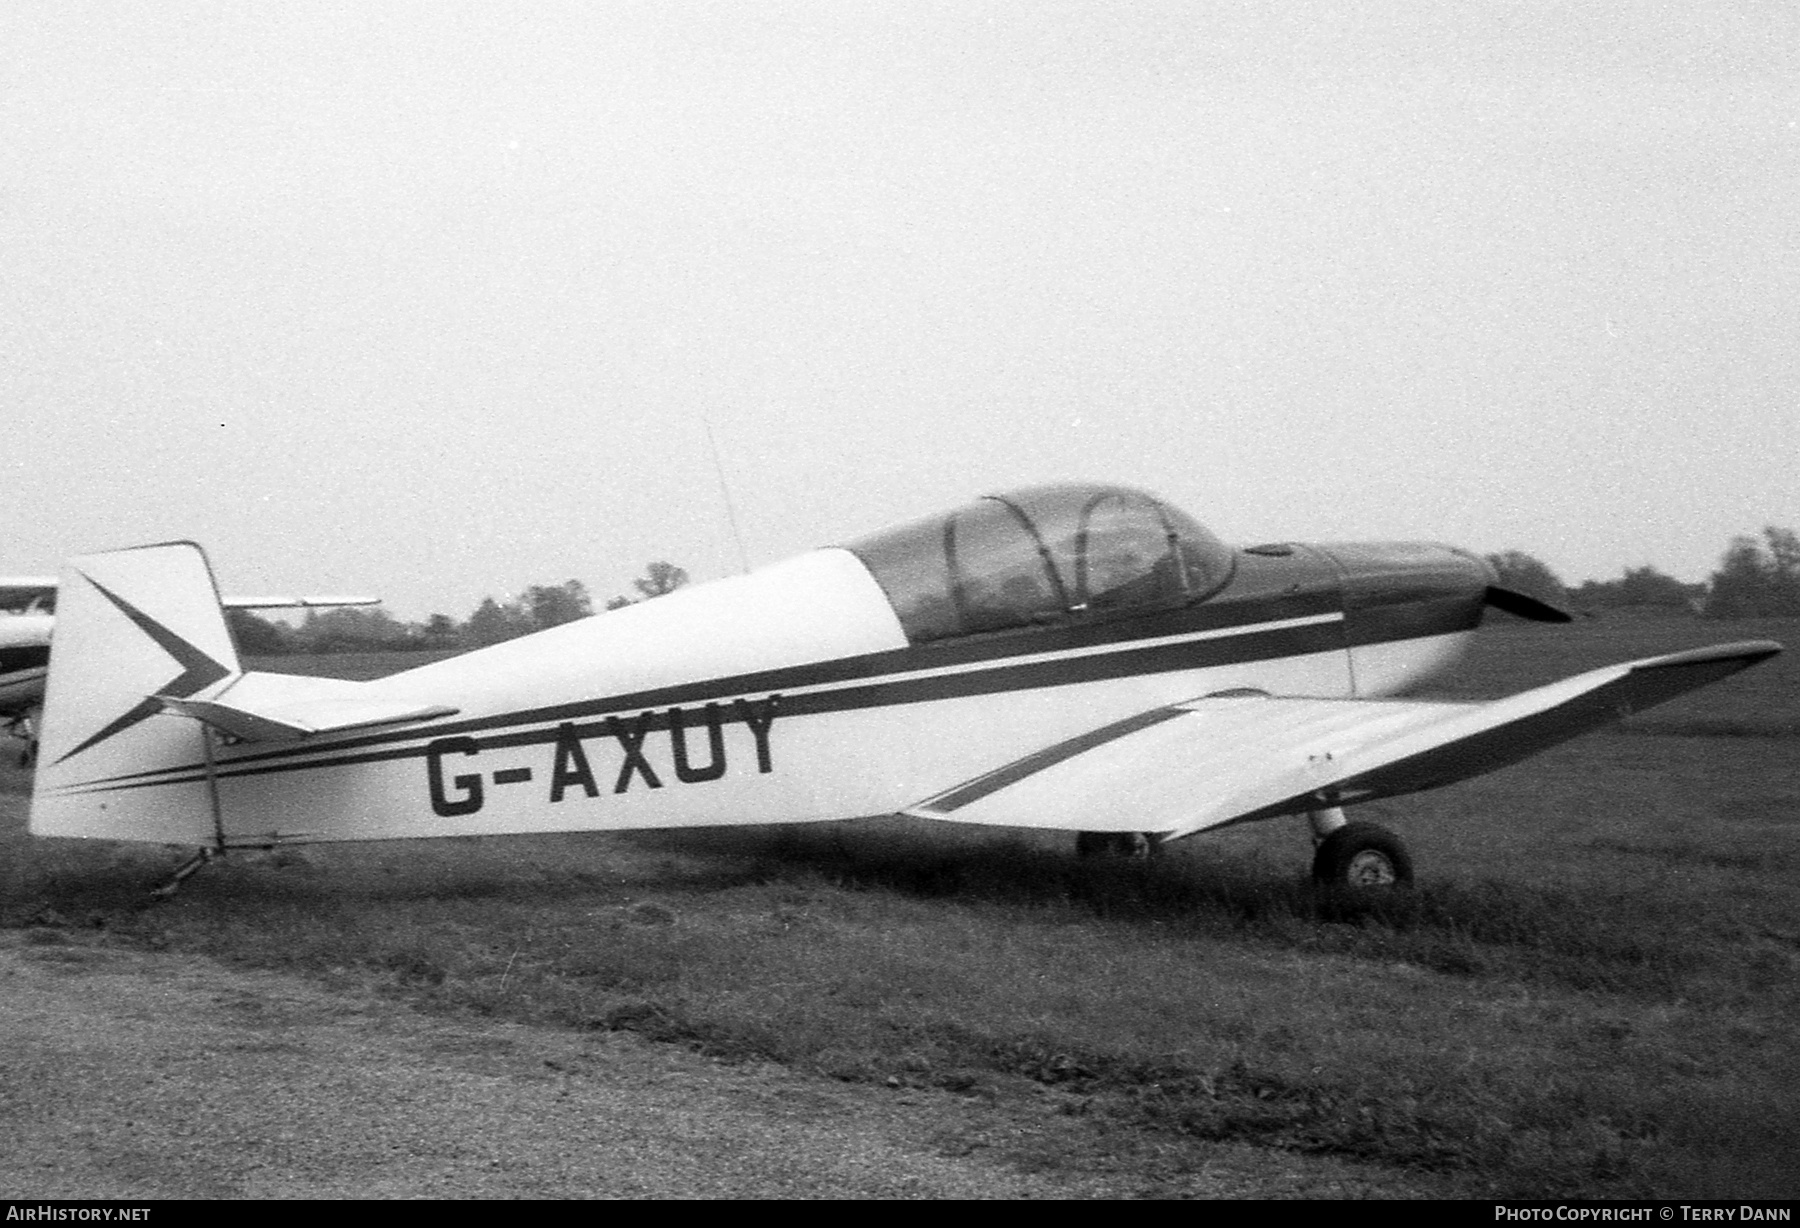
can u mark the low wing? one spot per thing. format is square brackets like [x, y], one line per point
[1226, 759]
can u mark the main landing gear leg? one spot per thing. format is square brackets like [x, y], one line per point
[187, 870]
[1325, 821]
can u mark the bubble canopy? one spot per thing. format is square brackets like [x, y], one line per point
[1045, 554]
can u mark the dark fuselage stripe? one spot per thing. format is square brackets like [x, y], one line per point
[1317, 634]
[1003, 654]
[1384, 624]
[1002, 650]
[1165, 642]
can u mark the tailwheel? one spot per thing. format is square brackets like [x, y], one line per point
[1117, 844]
[1363, 859]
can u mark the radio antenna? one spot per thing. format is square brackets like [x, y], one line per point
[737, 535]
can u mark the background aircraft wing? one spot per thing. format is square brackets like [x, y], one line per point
[1225, 759]
[27, 594]
[292, 603]
[19, 593]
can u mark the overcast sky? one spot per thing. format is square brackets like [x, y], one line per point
[439, 300]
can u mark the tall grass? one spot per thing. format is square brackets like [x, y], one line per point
[1498, 1038]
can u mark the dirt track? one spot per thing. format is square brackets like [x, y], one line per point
[127, 1074]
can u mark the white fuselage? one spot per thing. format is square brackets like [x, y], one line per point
[786, 695]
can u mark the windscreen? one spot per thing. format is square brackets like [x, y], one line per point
[1040, 556]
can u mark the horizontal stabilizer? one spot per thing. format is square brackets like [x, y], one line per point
[282, 707]
[1226, 759]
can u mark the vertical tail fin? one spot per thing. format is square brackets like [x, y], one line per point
[130, 625]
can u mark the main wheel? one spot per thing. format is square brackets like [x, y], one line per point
[1362, 858]
[1117, 844]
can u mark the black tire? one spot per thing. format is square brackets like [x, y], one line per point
[1117, 844]
[1363, 859]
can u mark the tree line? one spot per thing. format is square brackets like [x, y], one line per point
[1758, 577]
[373, 629]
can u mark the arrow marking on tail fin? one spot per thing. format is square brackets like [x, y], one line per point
[198, 669]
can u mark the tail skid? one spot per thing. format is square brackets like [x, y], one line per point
[186, 870]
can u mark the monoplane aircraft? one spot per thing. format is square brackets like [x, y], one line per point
[1077, 657]
[27, 617]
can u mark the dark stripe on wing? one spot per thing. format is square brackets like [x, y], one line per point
[1000, 778]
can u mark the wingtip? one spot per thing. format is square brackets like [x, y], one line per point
[1745, 652]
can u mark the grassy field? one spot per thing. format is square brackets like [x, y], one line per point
[1592, 992]
[1510, 656]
